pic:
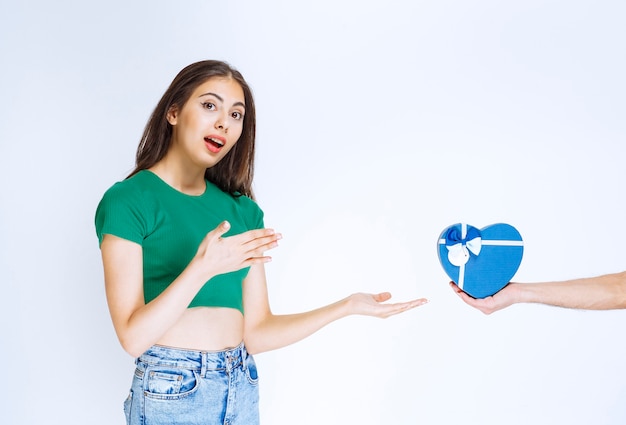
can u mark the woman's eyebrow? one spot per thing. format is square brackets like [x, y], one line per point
[218, 97]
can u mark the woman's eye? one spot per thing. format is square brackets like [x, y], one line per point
[237, 115]
[208, 105]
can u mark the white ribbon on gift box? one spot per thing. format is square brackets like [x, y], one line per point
[458, 254]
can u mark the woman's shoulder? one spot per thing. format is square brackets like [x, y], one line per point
[247, 207]
[126, 209]
[133, 191]
[251, 209]
[130, 186]
[245, 201]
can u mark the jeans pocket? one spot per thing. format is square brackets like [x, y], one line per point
[251, 370]
[127, 404]
[170, 383]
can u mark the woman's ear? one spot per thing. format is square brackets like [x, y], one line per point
[172, 115]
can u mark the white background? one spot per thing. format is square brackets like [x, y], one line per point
[380, 124]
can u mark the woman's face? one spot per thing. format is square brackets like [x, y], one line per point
[209, 124]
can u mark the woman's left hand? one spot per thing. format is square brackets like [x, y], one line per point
[374, 305]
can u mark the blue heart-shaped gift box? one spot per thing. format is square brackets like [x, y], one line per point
[480, 262]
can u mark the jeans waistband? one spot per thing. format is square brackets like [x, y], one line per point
[200, 361]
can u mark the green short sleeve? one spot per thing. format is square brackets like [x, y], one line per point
[120, 213]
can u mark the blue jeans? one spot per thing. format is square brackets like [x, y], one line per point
[178, 386]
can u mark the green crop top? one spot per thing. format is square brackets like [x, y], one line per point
[170, 225]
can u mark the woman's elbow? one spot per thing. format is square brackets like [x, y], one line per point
[253, 345]
[255, 341]
[131, 346]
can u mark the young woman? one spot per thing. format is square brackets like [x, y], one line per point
[183, 248]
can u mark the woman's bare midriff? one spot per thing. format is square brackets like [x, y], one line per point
[206, 329]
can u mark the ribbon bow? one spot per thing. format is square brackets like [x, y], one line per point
[460, 242]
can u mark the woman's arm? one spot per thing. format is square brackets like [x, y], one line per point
[139, 325]
[265, 331]
[594, 293]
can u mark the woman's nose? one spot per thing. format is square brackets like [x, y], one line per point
[220, 124]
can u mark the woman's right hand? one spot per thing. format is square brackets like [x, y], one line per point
[218, 255]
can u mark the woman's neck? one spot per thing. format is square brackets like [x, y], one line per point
[184, 179]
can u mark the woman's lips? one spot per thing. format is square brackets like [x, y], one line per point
[214, 144]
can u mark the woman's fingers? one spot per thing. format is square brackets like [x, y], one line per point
[396, 308]
[254, 243]
[382, 297]
[215, 234]
[374, 304]
[224, 254]
[262, 240]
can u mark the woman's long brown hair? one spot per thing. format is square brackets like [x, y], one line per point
[234, 172]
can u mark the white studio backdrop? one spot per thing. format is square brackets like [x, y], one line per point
[379, 124]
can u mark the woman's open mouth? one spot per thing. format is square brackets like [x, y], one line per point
[213, 144]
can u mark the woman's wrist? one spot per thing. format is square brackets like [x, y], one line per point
[196, 272]
[345, 307]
